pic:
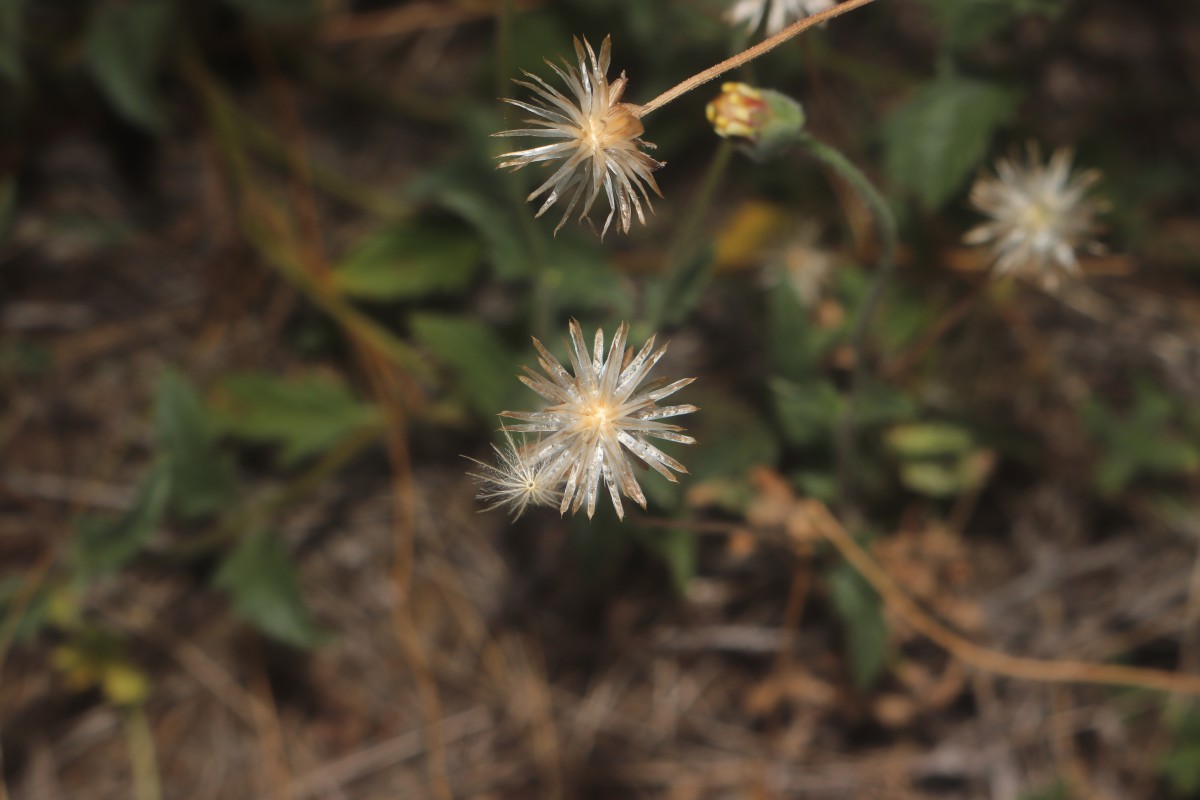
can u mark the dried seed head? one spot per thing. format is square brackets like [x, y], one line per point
[598, 416]
[1040, 215]
[598, 144]
[514, 482]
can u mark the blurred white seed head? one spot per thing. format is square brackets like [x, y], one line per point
[514, 482]
[597, 141]
[778, 13]
[805, 265]
[600, 415]
[1040, 215]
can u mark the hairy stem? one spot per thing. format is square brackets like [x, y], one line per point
[747, 55]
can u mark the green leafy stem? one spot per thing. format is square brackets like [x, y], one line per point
[886, 230]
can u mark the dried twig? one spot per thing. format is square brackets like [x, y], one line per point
[812, 516]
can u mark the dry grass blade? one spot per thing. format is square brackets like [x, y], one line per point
[812, 516]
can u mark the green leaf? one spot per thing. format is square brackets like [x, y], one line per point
[105, 545]
[857, 604]
[11, 35]
[816, 483]
[929, 440]
[906, 316]
[935, 478]
[484, 368]
[934, 141]
[796, 346]
[807, 412]
[275, 9]
[202, 479]
[1180, 765]
[124, 48]
[304, 415]
[1057, 790]
[880, 404]
[1181, 770]
[407, 261]
[262, 584]
[493, 220]
[1145, 441]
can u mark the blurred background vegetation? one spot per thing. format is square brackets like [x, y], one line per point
[261, 284]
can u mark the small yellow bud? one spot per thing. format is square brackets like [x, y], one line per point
[764, 121]
[739, 110]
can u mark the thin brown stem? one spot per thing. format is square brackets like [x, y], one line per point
[747, 55]
[814, 514]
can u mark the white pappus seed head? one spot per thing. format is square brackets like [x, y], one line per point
[597, 141]
[1040, 215]
[778, 13]
[600, 414]
[514, 482]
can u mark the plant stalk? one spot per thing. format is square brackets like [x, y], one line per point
[766, 45]
[885, 226]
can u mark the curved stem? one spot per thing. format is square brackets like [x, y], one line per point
[750, 54]
[885, 226]
[968, 652]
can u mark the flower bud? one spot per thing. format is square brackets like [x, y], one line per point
[765, 121]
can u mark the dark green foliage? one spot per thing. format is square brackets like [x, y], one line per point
[866, 631]
[937, 459]
[304, 416]
[732, 436]
[125, 47]
[1180, 764]
[201, 477]
[483, 369]
[1143, 442]
[967, 23]
[796, 345]
[408, 262]
[807, 413]
[263, 587]
[105, 545]
[494, 222]
[942, 133]
[11, 30]
[1059, 790]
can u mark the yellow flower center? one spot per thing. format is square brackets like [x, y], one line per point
[1038, 216]
[599, 416]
